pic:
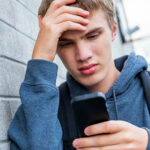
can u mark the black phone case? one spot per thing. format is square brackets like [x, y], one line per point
[89, 109]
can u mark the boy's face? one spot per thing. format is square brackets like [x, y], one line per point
[88, 57]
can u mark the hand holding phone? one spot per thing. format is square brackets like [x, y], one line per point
[89, 109]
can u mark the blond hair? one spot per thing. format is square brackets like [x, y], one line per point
[90, 5]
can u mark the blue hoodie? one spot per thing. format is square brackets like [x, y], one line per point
[35, 125]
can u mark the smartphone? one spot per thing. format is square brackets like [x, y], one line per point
[89, 109]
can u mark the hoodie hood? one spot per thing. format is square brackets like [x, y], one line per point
[129, 67]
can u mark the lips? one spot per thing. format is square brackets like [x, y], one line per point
[87, 70]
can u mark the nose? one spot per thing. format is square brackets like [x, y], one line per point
[83, 52]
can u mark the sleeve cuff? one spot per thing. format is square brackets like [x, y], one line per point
[41, 72]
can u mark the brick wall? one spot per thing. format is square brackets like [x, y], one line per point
[18, 32]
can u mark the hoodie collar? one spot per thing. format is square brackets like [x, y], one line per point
[129, 66]
[75, 88]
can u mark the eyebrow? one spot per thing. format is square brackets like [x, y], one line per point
[86, 34]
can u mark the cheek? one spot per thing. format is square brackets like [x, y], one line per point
[99, 48]
[67, 58]
[102, 51]
[103, 44]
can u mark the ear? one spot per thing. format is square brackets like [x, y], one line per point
[114, 33]
[40, 20]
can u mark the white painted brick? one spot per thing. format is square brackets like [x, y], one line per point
[5, 118]
[32, 5]
[5, 146]
[11, 76]
[15, 14]
[15, 45]
[8, 107]
[14, 104]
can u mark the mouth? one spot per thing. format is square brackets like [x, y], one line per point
[87, 70]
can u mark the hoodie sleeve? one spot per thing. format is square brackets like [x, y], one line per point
[35, 125]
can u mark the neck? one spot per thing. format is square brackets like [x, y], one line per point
[107, 82]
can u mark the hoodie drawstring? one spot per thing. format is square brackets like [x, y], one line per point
[114, 95]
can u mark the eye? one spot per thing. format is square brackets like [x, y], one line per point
[93, 36]
[65, 44]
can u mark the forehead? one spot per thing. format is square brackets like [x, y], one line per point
[96, 19]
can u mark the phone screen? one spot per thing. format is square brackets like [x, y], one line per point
[89, 109]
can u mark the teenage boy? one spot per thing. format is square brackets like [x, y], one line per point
[81, 33]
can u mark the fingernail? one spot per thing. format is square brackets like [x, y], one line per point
[87, 132]
[76, 143]
[86, 12]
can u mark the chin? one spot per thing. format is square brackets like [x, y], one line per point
[90, 83]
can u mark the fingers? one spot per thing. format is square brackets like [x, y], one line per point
[73, 18]
[57, 4]
[112, 147]
[99, 140]
[71, 10]
[122, 135]
[105, 127]
[69, 25]
[66, 17]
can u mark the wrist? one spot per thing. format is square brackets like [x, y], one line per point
[43, 56]
[45, 47]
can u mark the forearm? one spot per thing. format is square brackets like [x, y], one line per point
[36, 126]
